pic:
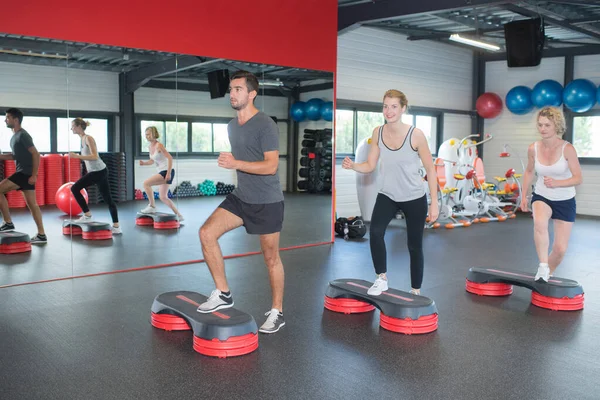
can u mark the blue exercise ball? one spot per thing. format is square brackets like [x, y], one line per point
[598, 95]
[518, 100]
[327, 111]
[580, 95]
[313, 109]
[298, 111]
[547, 93]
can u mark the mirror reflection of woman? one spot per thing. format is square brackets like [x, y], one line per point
[97, 174]
[164, 165]
[555, 162]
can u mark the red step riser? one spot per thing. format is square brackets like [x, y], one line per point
[234, 346]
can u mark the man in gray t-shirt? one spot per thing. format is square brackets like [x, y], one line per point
[256, 203]
[27, 161]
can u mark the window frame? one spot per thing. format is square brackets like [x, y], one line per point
[54, 114]
[189, 119]
[372, 107]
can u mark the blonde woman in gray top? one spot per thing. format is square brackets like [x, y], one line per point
[97, 174]
[160, 157]
[401, 148]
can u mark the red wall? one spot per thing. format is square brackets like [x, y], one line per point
[298, 33]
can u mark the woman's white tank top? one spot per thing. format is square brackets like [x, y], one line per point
[558, 171]
[160, 160]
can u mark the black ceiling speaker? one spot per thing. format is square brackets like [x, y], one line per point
[218, 83]
[524, 42]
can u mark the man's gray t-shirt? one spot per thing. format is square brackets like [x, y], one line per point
[20, 142]
[249, 142]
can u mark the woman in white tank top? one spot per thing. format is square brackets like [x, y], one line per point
[555, 162]
[160, 157]
[402, 149]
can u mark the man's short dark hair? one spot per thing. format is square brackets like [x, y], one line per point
[251, 80]
[15, 113]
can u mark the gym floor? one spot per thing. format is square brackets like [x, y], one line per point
[307, 220]
[91, 338]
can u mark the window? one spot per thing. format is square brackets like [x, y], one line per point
[221, 138]
[344, 131]
[67, 141]
[365, 123]
[160, 127]
[37, 127]
[187, 135]
[353, 126]
[586, 139]
[202, 137]
[176, 137]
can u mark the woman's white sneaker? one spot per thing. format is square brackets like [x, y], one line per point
[380, 285]
[543, 273]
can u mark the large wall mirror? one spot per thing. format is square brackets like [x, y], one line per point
[122, 92]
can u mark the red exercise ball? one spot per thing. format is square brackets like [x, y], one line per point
[65, 201]
[489, 105]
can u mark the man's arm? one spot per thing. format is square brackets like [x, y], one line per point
[268, 166]
[36, 160]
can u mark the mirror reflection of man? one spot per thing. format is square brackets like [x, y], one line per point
[256, 203]
[27, 160]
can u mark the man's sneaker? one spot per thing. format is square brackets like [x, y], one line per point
[273, 323]
[39, 239]
[543, 273]
[116, 230]
[84, 218]
[415, 292]
[216, 301]
[380, 285]
[7, 227]
[148, 210]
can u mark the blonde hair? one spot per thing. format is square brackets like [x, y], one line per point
[81, 123]
[556, 116]
[396, 94]
[154, 131]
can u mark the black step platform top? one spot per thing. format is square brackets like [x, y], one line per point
[221, 324]
[89, 226]
[555, 287]
[158, 217]
[13, 237]
[393, 303]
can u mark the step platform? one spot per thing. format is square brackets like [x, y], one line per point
[401, 312]
[558, 294]
[158, 220]
[14, 242]
[88, 230]
[224, 333]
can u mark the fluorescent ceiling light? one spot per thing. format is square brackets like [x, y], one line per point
[471, 42]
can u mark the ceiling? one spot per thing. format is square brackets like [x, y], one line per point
[145, 67]
[568, 23]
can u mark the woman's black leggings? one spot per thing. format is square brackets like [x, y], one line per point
[415, 213]
[100, 179]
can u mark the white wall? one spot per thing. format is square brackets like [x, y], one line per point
[520, 130]
[191, 103]
[34, 86]
[371, 61]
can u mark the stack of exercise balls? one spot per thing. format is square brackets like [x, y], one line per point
[313, 110]
[579, 96]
